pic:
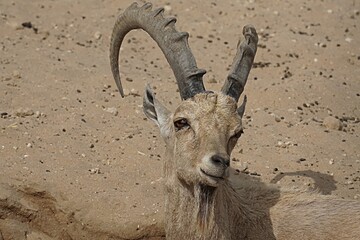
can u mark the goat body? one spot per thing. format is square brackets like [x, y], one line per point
[242, 208]
[202, 202]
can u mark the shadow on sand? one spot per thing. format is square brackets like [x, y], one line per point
[323, 183]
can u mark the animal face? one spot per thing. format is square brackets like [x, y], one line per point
[200, 136]
[206, 130]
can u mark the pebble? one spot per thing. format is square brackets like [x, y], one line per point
[4, 114]
[134, 92]
[16, 74]
[349, 182]
[332, 123]
[331, 161]
[97, 35]
[39, 114]
[141, 153]
[285, 144]
[244, 166]
[349, 40]
[277, 119]
[112, 110]
[126, 92]
[24, 112]
[95, 170]
[301, 160]
[15, 25]
[167, 8]
[212, 80]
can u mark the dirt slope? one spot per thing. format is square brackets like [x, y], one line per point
[79, 162]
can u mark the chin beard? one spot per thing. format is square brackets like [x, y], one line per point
[204, 195]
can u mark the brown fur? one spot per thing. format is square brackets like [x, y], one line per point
[236, 208]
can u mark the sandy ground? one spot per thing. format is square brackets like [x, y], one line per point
[79, 162]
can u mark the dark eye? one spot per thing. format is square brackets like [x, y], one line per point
[237, 134]
[233, 140]
[181, 124]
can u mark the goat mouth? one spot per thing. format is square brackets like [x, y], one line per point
[211, 176]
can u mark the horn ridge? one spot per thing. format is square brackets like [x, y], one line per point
[173, 44]
[242, 63]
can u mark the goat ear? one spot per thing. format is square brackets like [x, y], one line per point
[154, 110]
[241, 109]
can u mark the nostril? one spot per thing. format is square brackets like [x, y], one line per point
[227, 162]
[216, 160]
[219, 160]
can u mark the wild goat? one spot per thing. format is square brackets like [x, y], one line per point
[202, 202]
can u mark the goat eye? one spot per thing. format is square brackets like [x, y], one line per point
[237, 134]
[181, 124]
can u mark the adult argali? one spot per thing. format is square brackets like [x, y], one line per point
[201, 201]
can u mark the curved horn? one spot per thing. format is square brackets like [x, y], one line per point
[173, 44]
[240, 68]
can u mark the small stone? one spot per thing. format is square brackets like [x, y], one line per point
[244, 166]
[167, 8]
[94, 171]
[348, 39]
[141, 153]
[97, 35]
[3, 114]
[15, 25]
[332, 123]
[212, 80]
[16, 74]
[126, 92]
[27, 24]
[112, 110]
[37, 114]
[349, 182]
[24, 112]
[134, 92]
[331, 161]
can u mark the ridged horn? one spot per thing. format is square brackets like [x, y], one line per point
[173, 44]
[241, 66]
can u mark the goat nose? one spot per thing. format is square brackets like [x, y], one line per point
[220, 160]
